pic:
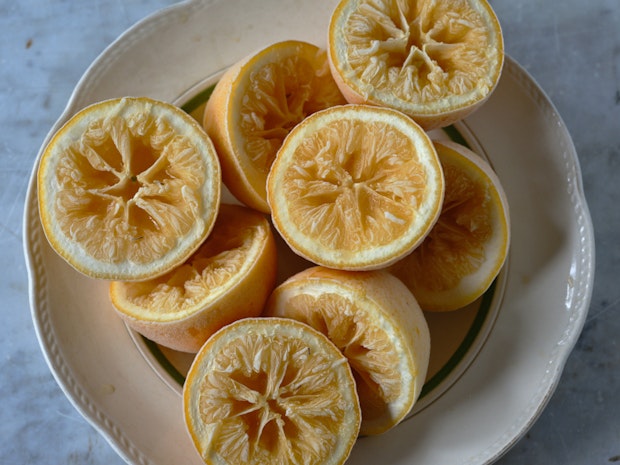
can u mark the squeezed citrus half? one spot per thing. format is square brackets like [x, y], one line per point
[467, 247]
[271, 391]
[255, 105]
[128, 188]
[435, 60]
[229, 277]
[377, 324]
[355, 187]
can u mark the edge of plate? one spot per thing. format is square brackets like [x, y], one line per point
[128, 452]
[581, 276]
[32, 253]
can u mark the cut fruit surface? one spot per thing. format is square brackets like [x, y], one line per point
[355, 187]
[128, 188]
[229, 277]
[436, 61]
[271, 391]
[255, 105]
[377, 324]
[469, 244]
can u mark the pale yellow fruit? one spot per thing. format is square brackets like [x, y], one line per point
[256, 103]
[435, 60]
[228, 278]
[271, 391]
[469, 244]
[128, 188]
[377, 324]
[355, 187]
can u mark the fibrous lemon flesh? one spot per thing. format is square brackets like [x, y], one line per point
[128, 188]
[229, 277]
[271, 391]
[256, 103]
[355, 187]
[469, 244]
[435, 60]
[377, 324]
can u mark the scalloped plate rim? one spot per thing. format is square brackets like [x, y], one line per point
[117, 438]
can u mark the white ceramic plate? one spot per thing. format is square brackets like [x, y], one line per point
[490, 386]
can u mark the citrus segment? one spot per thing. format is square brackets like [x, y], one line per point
[128, 188]
[229, 277]
[271, 391]
[436, 61]
[377, 324]
[255, 105]
[355, 187]
[468, 245]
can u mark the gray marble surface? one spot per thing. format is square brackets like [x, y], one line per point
[572, 49]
